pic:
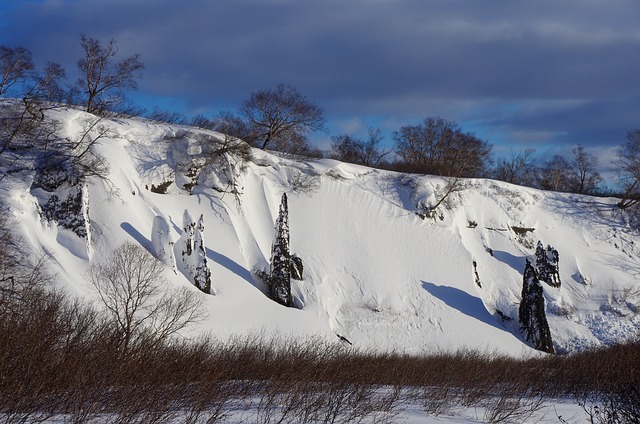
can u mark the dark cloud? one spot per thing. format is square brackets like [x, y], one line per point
[543, 72]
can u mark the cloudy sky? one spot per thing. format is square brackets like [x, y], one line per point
[547, 74]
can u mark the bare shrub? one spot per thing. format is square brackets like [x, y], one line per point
[309, 400]
[436, 400]
[208, 401]
[624, 301]
[31, 139]
[303, 183]
[221, 160]
[25, 384]
[75, 158]
[42, 333]
[283, 379]
[511, 407]
[609, 392]
[20, 273]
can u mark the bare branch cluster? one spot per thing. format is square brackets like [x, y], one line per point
[579, 174]
[15, 66]
[517, 168]
[103, 81]
[367, 152]
[282, 116]
[629, 167]
[440, 147]
[131, 287]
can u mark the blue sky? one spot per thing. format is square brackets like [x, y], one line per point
[545, 74]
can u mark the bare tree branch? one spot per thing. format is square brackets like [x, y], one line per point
[282, 118]
[131, 286]
[103, 81]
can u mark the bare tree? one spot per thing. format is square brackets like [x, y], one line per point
[364, 152]
[20, 120]
[555, 175]
[29, 138]
[440, 147]
[346, 148]
[15, 65]
[517, 168]
[23, 124]
[628, 163]
[136, 296]
[46, 86]
[584, 169]
[18, 72]
[103, 81]
[281, 118]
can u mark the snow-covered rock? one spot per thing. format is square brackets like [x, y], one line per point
[191, 253]
[161, 241]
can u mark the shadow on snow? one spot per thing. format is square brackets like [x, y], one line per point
[463, 302]
[216, 257]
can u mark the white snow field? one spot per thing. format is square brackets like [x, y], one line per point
[375, 273]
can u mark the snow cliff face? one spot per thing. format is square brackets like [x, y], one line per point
[376, 273]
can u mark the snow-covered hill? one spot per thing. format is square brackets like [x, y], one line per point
[375, 272]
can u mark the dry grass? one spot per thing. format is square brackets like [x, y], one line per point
[59, 357]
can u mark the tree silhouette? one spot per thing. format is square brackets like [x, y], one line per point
[102, 81]
[281, 118]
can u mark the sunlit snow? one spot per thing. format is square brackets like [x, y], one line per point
[375, 273]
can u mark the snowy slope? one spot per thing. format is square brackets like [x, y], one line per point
[375, 273]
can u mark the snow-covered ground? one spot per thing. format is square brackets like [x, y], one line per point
[375, 273]
[548, 412]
